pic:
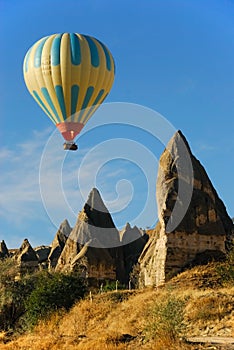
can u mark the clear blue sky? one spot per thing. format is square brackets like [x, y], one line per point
[175, 57]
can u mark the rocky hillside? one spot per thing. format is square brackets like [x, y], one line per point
[193, 311]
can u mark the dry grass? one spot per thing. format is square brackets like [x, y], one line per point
[117, 321]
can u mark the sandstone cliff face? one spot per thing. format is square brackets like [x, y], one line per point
[4, 253]
[205, 231]
[26, 258]
[94, 243]
[59, 243]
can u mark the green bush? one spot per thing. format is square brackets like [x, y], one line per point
[26, 299]
[135, 277]
[52, 291]
[166, 319]
[111, 285]
[13, 291]
[225, 269]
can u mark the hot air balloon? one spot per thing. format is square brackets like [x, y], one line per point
[69, 75]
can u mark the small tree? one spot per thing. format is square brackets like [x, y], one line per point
[135, 276]
[13, 292]
[166, 319]
[25, 299]
[226, 269]
[53, 291]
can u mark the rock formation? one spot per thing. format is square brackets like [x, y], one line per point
[204, 233]
[94, 245]
[4, 253]
[193, 228]
[26, 258]
[42, 253]
[133, 241]
[59, 243]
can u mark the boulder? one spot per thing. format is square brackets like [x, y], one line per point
[203, 233]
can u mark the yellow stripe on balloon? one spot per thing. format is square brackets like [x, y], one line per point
[85, 73]
[65, 66]
[76, 69]
[96, 79]
[34, 80]
[47, 76]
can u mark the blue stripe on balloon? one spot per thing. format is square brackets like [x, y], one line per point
[41, 103]
[60, 97]
[108, 59]
[95, 61]
[27, 59]
[88, 96]
[75, 49]
[37, 56]
[101, 92]
[49, 101]
[97, 99]
[55, 50]
[74, 98]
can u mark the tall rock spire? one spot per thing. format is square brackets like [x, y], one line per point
[95, 223]
[94, 242]
[205, 230]
[4, 253]
[59, 243]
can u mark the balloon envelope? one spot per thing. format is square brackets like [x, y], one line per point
[69, 75]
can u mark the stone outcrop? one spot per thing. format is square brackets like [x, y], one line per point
[4, 253]
[42, 253]
[27, 258]
[59, 243]
[205, 231]
[133, 241]
[95, 264]
[94, 245]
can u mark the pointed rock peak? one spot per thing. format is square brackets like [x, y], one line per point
[65, 223]
[26, 252]
[179, 133]
[177, 140]
[3, 249]
[137, 228]
[95, 201]
[127, 226]
[58, 243]
[25, 244]
[64, 228]
[130, 234]
[3, 245]
[123, 231]
[61, 235]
